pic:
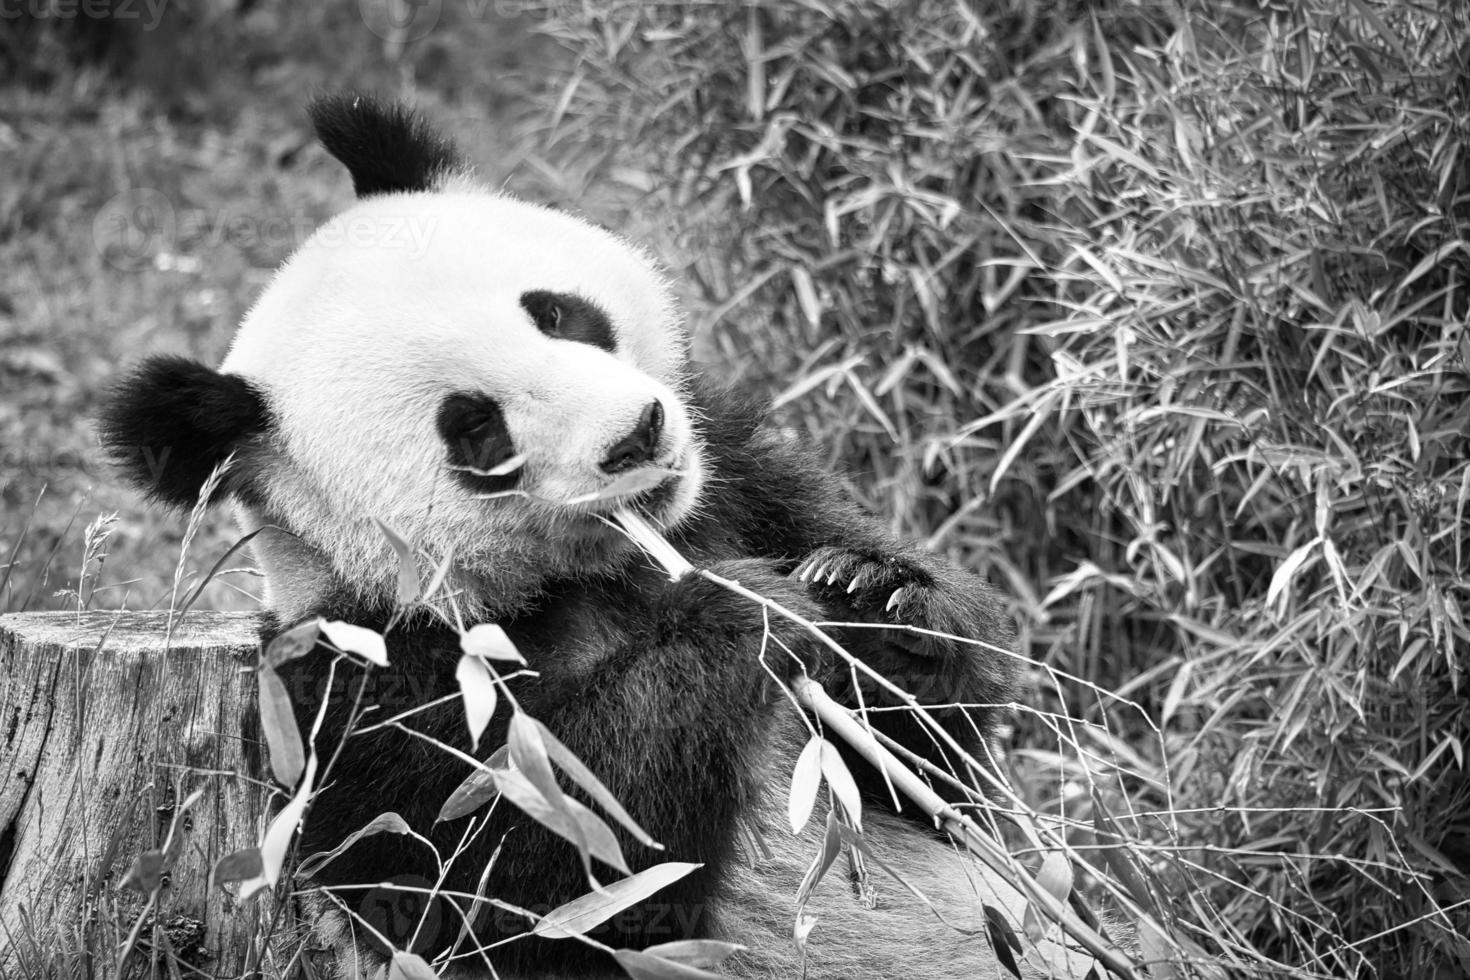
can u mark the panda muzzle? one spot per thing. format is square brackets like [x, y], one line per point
[639, 446]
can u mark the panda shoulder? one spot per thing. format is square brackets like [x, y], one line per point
[750, 456]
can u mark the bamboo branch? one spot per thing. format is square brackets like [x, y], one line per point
[838, 719]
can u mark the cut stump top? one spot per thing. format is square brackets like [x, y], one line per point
[133, 632]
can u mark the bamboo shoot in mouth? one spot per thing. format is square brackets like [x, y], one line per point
[647, 537]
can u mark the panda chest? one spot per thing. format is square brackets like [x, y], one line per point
[579, 630]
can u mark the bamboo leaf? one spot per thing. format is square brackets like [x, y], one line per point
[1033, 425]
[146, 873]
[571, 821]
[806, 296]
[578, 773]
[576, 917]
[238, 865]
[835, 771]
[293, 644]
[1281, 580]
[831, 847]
[278, 725]
[441, 573]
[360, 640]
[408, 570]
[490, 642]
[277, 840]
[478, 788]
[1003, 940]
[704, 954]
[477, 690]
[646, 966]
[528, 754]
[1055, 878]
[410, 966]
[383, 823]
[806, 780]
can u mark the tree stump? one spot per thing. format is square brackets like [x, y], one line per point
[109, 723]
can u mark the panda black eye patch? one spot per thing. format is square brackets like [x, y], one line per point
[475, 440]
[567, 316]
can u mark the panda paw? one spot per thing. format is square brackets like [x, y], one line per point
[862, 578]
[934, 630]
[858, 585]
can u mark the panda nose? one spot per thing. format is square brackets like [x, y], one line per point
[638, 446]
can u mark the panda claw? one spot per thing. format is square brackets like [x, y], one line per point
[857, 580]
[893, 599]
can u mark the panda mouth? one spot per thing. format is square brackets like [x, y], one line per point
[648, 500]
[649, 489]
[654, 500]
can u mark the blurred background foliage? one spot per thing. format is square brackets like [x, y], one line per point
[1158, 313]
[1154, 312]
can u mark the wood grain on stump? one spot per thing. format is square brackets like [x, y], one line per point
[108, 723]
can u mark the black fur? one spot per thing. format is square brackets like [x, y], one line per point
[384, 146]
[476, 440]
[567, 316]
[656, 686]
[173, 420]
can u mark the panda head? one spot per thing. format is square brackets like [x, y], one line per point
[470, 370]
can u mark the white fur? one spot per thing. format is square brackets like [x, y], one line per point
[404, 299]
[899, 936]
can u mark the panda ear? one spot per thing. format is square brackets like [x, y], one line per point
[385, 147]
[173, 420]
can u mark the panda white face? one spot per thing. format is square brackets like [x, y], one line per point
[417, 344]
[476, 373]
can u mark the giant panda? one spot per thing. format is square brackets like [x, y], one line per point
[412, 345]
